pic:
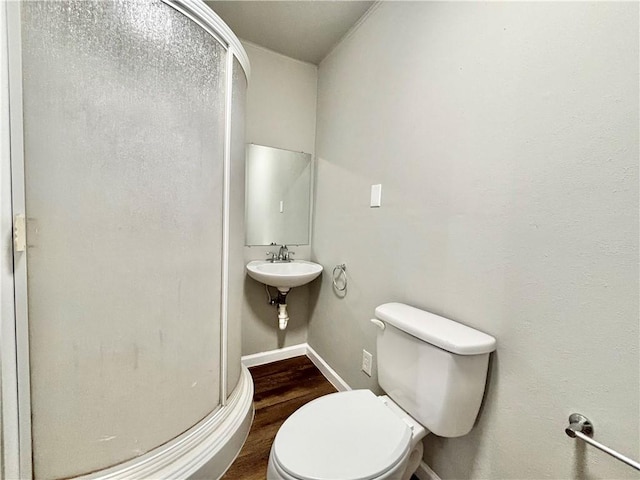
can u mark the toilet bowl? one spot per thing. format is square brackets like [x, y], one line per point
[433, 370]
[352, 435]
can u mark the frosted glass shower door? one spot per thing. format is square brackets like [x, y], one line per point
[124, 136]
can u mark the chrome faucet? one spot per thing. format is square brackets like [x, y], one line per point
[273, 256]
[284, 255]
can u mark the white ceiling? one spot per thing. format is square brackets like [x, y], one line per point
[306, 30]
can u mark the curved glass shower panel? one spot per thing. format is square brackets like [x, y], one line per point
[124, 137]
[236, 225]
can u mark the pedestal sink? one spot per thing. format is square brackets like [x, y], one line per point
[284, 276]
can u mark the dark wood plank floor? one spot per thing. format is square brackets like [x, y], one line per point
[280, 389]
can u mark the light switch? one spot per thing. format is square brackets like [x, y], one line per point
[376, 195]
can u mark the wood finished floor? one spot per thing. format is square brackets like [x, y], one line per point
[280, 388]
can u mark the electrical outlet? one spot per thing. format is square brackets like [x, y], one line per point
[367, 361]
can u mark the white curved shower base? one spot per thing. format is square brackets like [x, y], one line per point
[204, 451]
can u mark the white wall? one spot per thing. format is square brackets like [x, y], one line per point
[281, 112]
[505, 136]
[281, 101]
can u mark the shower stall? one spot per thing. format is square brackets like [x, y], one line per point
[122, 203]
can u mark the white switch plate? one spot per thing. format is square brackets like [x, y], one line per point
[367, 361]
[376, 195]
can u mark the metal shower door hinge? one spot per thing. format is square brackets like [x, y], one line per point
[19, 233]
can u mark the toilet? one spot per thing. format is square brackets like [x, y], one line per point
[433, 371]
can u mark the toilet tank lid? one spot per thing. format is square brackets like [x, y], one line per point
[436, 330]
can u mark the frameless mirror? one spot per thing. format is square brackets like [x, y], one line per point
[278, 196]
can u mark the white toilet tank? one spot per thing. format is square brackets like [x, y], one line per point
[433, 367]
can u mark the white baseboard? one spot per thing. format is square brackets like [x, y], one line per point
[328, 372]
[263, 358]
[424, 472]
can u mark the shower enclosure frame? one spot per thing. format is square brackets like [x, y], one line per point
[222, 432]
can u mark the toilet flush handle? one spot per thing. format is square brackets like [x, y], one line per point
[378, 323]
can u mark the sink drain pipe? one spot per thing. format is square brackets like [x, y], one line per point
[283, 316]
[281, 302]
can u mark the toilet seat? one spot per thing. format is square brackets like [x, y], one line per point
[342, 436]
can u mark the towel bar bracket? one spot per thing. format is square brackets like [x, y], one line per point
[581, 427]
[579, 423]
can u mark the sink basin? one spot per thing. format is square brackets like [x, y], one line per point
[283, 275]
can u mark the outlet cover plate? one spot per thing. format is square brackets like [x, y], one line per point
[367, 361]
